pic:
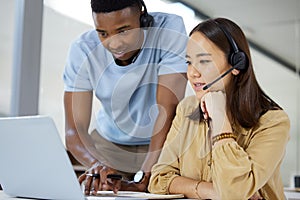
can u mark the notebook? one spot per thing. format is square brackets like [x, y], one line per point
[34, 162]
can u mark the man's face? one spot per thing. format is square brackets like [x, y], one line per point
[119, 31]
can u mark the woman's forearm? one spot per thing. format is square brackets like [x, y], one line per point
[192, 188]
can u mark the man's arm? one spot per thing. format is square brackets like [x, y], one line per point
[170, 90]
[78, 106]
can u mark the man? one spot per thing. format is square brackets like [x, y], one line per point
[134, 63]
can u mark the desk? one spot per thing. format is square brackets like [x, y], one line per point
[3, 196]
[289, 196]
[292, 194]
[133, 196]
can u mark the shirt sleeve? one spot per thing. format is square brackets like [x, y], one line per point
[237, 169]
[75, 76]
[172, 43]
[167, 167]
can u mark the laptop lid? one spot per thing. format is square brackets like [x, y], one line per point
[34, 162]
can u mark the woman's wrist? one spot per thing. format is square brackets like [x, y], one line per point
[217, 129]
[205, 190]
[196, 189]
[222, 136]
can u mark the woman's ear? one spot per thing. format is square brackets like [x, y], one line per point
[235, 72]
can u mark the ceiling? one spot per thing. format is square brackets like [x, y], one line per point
[271, 26]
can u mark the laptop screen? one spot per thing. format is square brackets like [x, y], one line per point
[34, 162]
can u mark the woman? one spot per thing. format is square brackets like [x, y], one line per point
[229, 139]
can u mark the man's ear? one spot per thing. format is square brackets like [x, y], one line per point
[235, 72]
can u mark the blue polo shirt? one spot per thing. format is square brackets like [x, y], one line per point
[127, 93]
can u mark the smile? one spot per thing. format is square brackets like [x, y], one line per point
[118, 54]
[198, 86]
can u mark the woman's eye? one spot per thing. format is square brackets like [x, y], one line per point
[205, 61]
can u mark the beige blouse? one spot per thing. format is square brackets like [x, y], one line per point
[237, 169]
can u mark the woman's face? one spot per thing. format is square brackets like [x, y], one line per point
[206, 62]
[120, 32]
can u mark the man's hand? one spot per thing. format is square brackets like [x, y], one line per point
[95, 179]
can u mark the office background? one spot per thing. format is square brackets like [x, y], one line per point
[272, 26]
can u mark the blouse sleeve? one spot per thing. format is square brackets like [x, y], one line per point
[248, 170]
[167, 167]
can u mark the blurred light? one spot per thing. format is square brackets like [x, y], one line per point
[80, 10]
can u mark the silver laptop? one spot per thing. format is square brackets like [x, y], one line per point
[33, 160]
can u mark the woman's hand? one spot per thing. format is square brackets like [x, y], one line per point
[95, 179]
[213, 105]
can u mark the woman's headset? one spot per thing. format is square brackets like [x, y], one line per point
[237, 59]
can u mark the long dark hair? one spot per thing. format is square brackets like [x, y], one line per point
[246, 101]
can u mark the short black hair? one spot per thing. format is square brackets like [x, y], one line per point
[104, 6]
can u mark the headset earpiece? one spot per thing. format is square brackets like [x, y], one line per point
[237, 59]
[146, 20]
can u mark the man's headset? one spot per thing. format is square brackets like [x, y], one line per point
[237, 59]
[146, 20]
